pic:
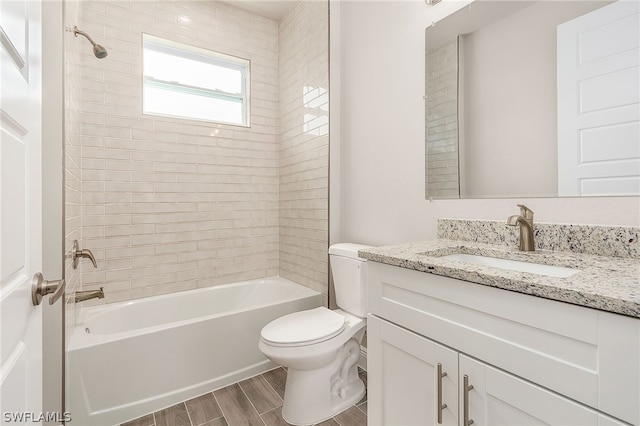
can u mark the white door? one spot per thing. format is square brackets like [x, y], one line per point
[404, 387]
[20, 211]
[599, 102]
[500, 399]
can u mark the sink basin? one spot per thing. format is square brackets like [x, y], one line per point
[513, 265]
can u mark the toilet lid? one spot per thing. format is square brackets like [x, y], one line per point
[305, 327]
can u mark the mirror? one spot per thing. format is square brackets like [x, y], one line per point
[533, 99]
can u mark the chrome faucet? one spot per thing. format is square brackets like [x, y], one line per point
[525, 220]
[81, 296]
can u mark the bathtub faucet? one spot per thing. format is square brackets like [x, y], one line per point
[81, 296]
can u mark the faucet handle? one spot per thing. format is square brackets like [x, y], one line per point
[525, 212]
[77, 254]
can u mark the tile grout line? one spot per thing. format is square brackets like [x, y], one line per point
[268, 411]
[272, 388]
[336, 420]
[251, 402]
[220, 407]
[188, 414]
[274, 391]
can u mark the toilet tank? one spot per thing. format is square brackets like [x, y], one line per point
[349, 274]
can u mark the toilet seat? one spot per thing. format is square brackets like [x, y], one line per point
[304, 328]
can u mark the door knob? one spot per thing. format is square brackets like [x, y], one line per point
[41, 287]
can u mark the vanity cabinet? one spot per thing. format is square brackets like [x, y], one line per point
[411, 376]
[406, 373]
[530, 360]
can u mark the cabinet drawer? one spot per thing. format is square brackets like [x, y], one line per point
[588, 355]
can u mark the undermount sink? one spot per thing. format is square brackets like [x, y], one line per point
[513, 265]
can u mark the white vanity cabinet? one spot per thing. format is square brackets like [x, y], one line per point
[530, 360]
[406, 373]
[410, 376]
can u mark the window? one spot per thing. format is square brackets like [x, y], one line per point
[190, 82]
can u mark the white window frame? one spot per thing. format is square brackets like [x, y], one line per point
[206, 56]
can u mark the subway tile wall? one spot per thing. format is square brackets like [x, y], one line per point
[304, 145]
[442, 122]
[171, 204]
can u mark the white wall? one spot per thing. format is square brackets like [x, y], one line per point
[381, 135]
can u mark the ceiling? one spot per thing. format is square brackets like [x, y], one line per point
[272, 9]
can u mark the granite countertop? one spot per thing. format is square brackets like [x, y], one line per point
[605, 283]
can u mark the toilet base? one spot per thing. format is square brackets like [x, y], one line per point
[309, 413]
[312, 396]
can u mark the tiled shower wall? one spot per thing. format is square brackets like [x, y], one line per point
[304, 145]
[169, 204]
[442, 122]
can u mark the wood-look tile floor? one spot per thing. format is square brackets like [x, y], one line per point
[253, 402]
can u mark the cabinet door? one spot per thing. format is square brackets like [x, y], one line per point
[498, 398]
[403, 377]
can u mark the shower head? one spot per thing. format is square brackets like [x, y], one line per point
[98, 50]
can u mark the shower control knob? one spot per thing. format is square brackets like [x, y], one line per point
[77, 254]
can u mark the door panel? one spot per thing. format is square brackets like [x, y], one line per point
[406, 366]
[498, 398]
[599, 102]
[20, 210]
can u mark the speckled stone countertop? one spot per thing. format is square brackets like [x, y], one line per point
[603, 282]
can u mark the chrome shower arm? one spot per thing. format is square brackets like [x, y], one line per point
[98, 50]
[76, 31]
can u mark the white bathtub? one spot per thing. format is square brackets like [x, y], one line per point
[132, 358]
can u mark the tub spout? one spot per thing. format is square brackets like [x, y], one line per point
[81, 296]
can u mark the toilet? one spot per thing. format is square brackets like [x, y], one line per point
[321, 347]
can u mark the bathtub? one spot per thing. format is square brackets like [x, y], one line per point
[132, 358]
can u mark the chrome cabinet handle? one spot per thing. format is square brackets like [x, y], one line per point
[41, 287]
[77, 254]
[441, 406]
[466, 387]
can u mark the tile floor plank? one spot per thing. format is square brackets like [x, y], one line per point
[277, 379]
[220, 421]
[253, 402]
[330, 422]
[274, 418]
[175, 415]
[203, 409]
[142, 421]
[352, 417]
[363, 407]
[236, 407]
[261, 395]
